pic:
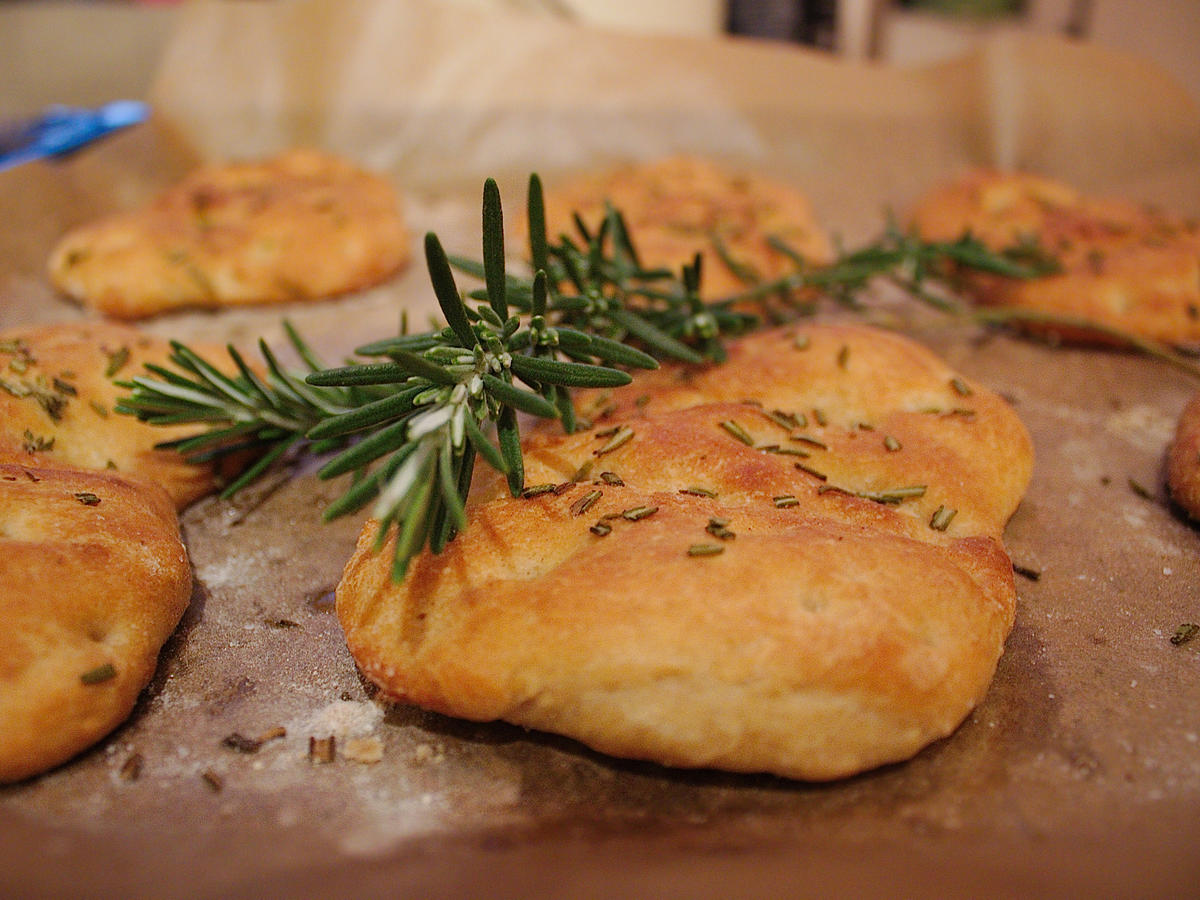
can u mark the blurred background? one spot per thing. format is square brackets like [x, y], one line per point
[897, 32]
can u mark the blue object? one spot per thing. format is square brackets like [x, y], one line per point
[61, 129]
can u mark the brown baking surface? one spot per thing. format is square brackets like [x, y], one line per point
[1078, 776]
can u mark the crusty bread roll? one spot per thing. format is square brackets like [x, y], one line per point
[697, 595]
[1123, 265]
[1183, 460]
[302, 225]
[93, 579]
[57, 402]
[679, 206]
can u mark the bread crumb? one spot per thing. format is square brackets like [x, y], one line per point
[367, 750]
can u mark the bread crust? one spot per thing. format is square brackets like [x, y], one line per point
[93, 574]
[676, 206]
[826, 634]
[58, 399]
[1123, 265]
[299, 226]
[1183, 460]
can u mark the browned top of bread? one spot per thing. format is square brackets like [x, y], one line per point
[1122, 264]
[57, 400]
[692, 593]
[93, 579]
[299, 226]
[681, 205]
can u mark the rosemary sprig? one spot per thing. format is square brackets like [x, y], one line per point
[409, 421]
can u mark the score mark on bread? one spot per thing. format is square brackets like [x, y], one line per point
[302, 225]
[816, 590]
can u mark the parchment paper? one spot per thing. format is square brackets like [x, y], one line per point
[1079, 775]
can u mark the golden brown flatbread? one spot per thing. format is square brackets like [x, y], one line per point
[1183, 460]
[1123, 265]
[790, 563]
[683, 205]
[57, 401]
[302, 225]
[93, 579]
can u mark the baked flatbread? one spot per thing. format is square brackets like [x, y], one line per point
[93, 579]
[682, 205]
[1124, 265]
[57, 401]
[701, 593]
[300, 226]
[1183, 460]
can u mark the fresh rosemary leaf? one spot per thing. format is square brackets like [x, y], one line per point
[366, 416]
[493, 249]
[567, 374]
[387, 440]
[519, 398]
[446, 291]
[535, 212]
[483, 446]
[508, 438]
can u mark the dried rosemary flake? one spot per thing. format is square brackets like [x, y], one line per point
[705, 550]
[214, 781]
[64, 387]
[99, 675]
[1185, 633]
[802, 341]
[895, 495]
[961, 387]
[641, 401]
[608, 432]
[586, 502]
[811, 441]
[99, 408]
[738, 432]
[1026, 572]
[891, 444]
[601, 529]
[843, 357]
[783, 501]
[612, 478]
[536, 490]
[832, 489]
[697, 491]
[719, 528]
[638, 512]
[131, 769]
[941, 518]
[116, 361]
[821, 476]
[584, 472]
[35, 443]
[87, 498]
[785, 420]
[620, 437]
[1140, 490]
[322, 750]
[282, 623]
[821, 418]
[241, 743]
[786, 451]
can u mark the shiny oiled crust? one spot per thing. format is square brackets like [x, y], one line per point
[683, 205]
[1183, 460]
[58, 398]
[92, 574]
[302, 225]
[831, 634]
[1123, 265]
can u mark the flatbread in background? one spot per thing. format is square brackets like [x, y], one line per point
[303, 225]
[1122, 264]
[681, 206]
[58, 406]
[1183, 460]
[719, 584]
[93, 580]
